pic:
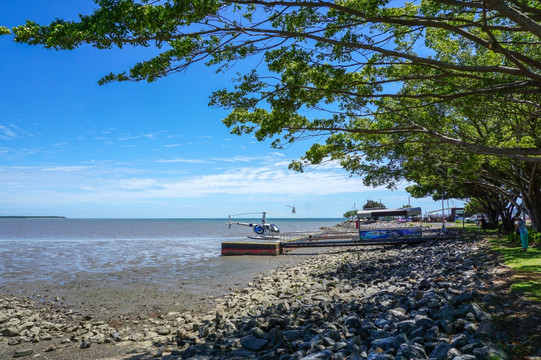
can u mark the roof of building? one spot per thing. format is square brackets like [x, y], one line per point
[369, 213]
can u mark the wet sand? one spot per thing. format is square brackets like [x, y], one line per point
[135, 298]
[151, 289]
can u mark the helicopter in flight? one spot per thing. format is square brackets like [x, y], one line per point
[263, 230]
[293, 211]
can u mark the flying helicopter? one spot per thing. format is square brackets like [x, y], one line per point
[293, 211]
[264, 230]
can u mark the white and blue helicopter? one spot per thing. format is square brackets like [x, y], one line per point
[263, 230]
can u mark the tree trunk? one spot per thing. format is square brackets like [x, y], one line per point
[508, 219]
[534, 211]
[532, 205]
[529, 185]
[508, 224]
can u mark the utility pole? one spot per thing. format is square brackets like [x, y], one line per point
[443, 230]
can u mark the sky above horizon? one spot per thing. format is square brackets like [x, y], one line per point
[69, 147]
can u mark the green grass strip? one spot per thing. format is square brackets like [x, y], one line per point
[527, 265]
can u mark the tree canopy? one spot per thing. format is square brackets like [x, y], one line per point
[385, 84]
[350, 214]
[373, 204]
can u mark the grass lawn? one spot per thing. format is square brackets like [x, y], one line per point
[526, 264]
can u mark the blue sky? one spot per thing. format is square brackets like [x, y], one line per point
[72, 148]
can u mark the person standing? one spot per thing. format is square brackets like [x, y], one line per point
[483, 222]
[523, 230]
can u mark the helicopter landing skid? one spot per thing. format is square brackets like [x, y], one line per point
[263, 237]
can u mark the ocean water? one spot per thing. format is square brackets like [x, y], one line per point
[53, 249]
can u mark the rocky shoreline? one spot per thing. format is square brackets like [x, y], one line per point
[436, 300]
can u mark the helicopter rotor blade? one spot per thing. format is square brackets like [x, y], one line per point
[267, 214]
[286, 215]
[250, 213]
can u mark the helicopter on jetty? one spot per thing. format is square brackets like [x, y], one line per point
[263, 230]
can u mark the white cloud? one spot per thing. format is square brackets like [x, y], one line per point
[152, 136]
[106, 190]
[64, 168]
[126, 138]
[8, 132]
[180, 160]
[104, 184]
[136, 184]
[272, 158]
[264, 180]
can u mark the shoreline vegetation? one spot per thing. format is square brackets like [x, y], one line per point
[439, 299]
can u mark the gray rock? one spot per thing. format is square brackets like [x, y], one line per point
[164, 331]
[197, 352]
[11, 331]
[485, 329]
[408, 351]
[460, 324]
[253, 343]
[489, 352]
[464, 297]
[407, 325]
[470, 327]
[460, 340]
[432, 334]
[259, 333]
[446, 314]
[23, 352]
[479, 313]
[236, 354]
[353, 321]
[321, 355]
[389, 342]
[50, 348]
[276, 321]
[490, 299]
[292, 335]
[136, 337]
[424, 321]
[440, 351]
[468, 348]
[453, 353]
[276, 337]
[378, 356]
[14, 341]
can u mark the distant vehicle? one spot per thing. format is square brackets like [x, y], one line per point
[473, 219]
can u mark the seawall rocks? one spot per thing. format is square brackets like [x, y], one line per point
[384, 303]
[424, 301]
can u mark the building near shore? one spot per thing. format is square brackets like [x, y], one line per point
[378, 213]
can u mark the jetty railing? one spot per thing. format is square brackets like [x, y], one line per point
[297, 235]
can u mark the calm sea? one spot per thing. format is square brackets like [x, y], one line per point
[41, 248]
